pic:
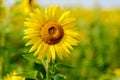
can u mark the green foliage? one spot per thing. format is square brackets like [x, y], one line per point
[30, 74]
[30, 58]
[59, 77]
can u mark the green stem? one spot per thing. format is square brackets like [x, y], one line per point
[47, 70]
[2, 42]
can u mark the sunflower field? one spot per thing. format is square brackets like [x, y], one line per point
[58, 43]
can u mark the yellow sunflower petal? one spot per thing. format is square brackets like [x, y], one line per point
[32, 32]
[55, 12]
[35, 46]
[72, 40]
[32, 41]
[65, 47]
[31, 14]
[64, 16]
[68, 45]
[39, 49]
[52, 49]
[43, 52]
[68, 21]
[58, 50]
[72, 33]
[48, 12]
[40, 19]
[27, 19]
[31, 36]
[32, 25]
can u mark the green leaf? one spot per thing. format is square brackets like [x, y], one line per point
[62, 66]
[27, 56]
[31, 74]
[59, 77]
[31, 58]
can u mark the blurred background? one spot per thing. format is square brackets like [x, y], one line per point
[97, 57]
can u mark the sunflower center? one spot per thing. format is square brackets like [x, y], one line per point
[52, 33]
[52, 30]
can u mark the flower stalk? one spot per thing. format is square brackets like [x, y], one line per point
[47, 70]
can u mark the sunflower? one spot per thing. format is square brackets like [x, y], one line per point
[28, 5]
[51, 33]
[1, 2]
[12, 76]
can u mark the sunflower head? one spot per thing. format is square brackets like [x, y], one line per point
[12, 76]
[28, 5]
[51, 33]
[1, 1]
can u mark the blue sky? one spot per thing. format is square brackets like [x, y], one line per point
[84, 3]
